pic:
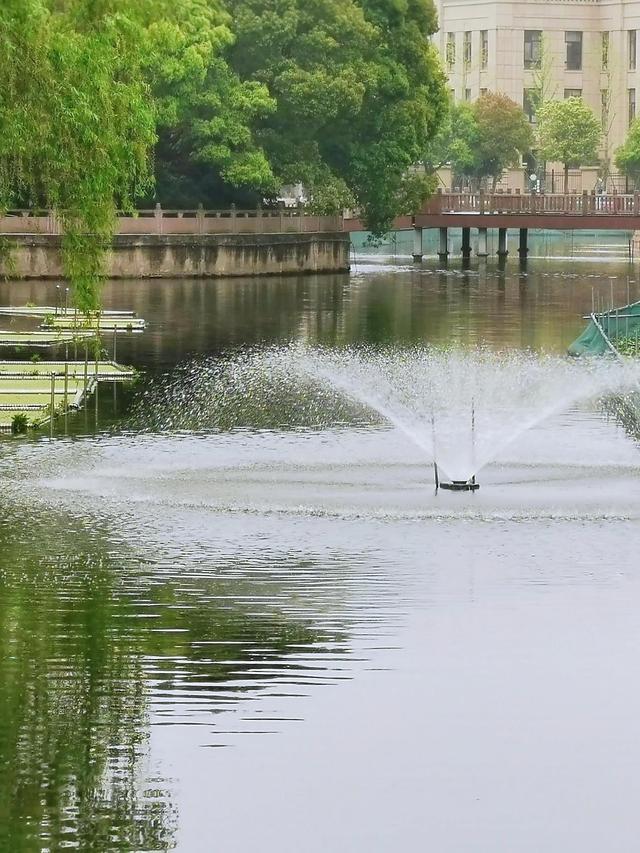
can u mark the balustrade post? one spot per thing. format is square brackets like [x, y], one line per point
[585, 203]
[200, 218]
[259, 220]
[158, 218]
[300, 217]
[481, 201]
[234, 220]
[636, 203]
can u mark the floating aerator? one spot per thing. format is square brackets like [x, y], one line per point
[461, 485]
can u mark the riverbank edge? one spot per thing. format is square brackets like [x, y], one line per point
[188, 256]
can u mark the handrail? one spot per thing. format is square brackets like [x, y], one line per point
[200, 221]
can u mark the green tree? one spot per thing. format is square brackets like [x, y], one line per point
[76, 129]
[205, 115]
[627, 156]
[359, 92]
[568, 132]
[456, 142]
[503, 136]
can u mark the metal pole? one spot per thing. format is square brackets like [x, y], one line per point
[115, 332]
[52, 404]
[435, 462]
[473, 437]
[86, 370]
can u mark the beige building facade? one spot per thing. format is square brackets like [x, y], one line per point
[585, 48]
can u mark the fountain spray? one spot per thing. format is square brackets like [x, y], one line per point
[469, 485]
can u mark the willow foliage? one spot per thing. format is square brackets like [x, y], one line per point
[76, 129]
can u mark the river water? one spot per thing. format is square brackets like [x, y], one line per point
[272, 635]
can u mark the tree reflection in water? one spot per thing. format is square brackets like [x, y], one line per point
[92, 644]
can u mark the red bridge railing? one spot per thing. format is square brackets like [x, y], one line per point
[587, 204]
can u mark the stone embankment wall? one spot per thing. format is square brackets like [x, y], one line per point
[190, 256]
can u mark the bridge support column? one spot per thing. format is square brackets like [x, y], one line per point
[523, 248]
[443, 248]
[417, 244]
[466, 242]
[482, 243]
[503, 249]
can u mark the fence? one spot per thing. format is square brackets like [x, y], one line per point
[187, 222]
[538, 203]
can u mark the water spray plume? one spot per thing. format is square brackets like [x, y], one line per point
[459, 408]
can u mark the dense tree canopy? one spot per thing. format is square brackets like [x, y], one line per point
[76, 128]
[105, 102]
[627, 157]
[504, 135]
[569, 132]
[482, 139]
[456, 142]
[358, 91]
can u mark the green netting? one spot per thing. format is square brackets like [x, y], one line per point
[619, 326]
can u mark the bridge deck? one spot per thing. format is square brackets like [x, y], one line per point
[505, 210]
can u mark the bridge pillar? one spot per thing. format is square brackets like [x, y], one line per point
[482, 243]
[466, 242]
[443, 248]
[503, 249]
[523, 248]
[417, 243]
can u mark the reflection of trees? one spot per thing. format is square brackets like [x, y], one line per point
[76, 653]
[72, 706]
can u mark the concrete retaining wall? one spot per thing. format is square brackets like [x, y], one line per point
[193, 256]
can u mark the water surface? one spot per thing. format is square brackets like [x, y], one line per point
[272, 635]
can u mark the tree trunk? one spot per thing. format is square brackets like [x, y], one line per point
[566, 179]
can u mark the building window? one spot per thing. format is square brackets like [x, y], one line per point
[483, 92]
[632, 105]
[484, 48]
[605, 104]
[532, 48]
[529, 104]
[572, 93]
[466, 53]
[573, 41]
[451, 49]
[467, 94]
[605, 51]
[632, 50]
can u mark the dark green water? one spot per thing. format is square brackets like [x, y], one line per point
[276, 639]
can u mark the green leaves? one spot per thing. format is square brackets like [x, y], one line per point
[358, 92]
[76, 129]
[482, 139]
[568, 131]
[627, 157]
[233, 98]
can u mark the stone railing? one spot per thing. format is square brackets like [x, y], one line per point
[186, 222]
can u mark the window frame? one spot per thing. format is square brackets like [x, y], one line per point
[533, 47]
[450, 50]
[573, 46]
[484, 49]
[467, 49]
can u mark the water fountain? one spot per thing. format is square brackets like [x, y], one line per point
[458, 408]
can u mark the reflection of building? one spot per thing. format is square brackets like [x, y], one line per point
[584, 48]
